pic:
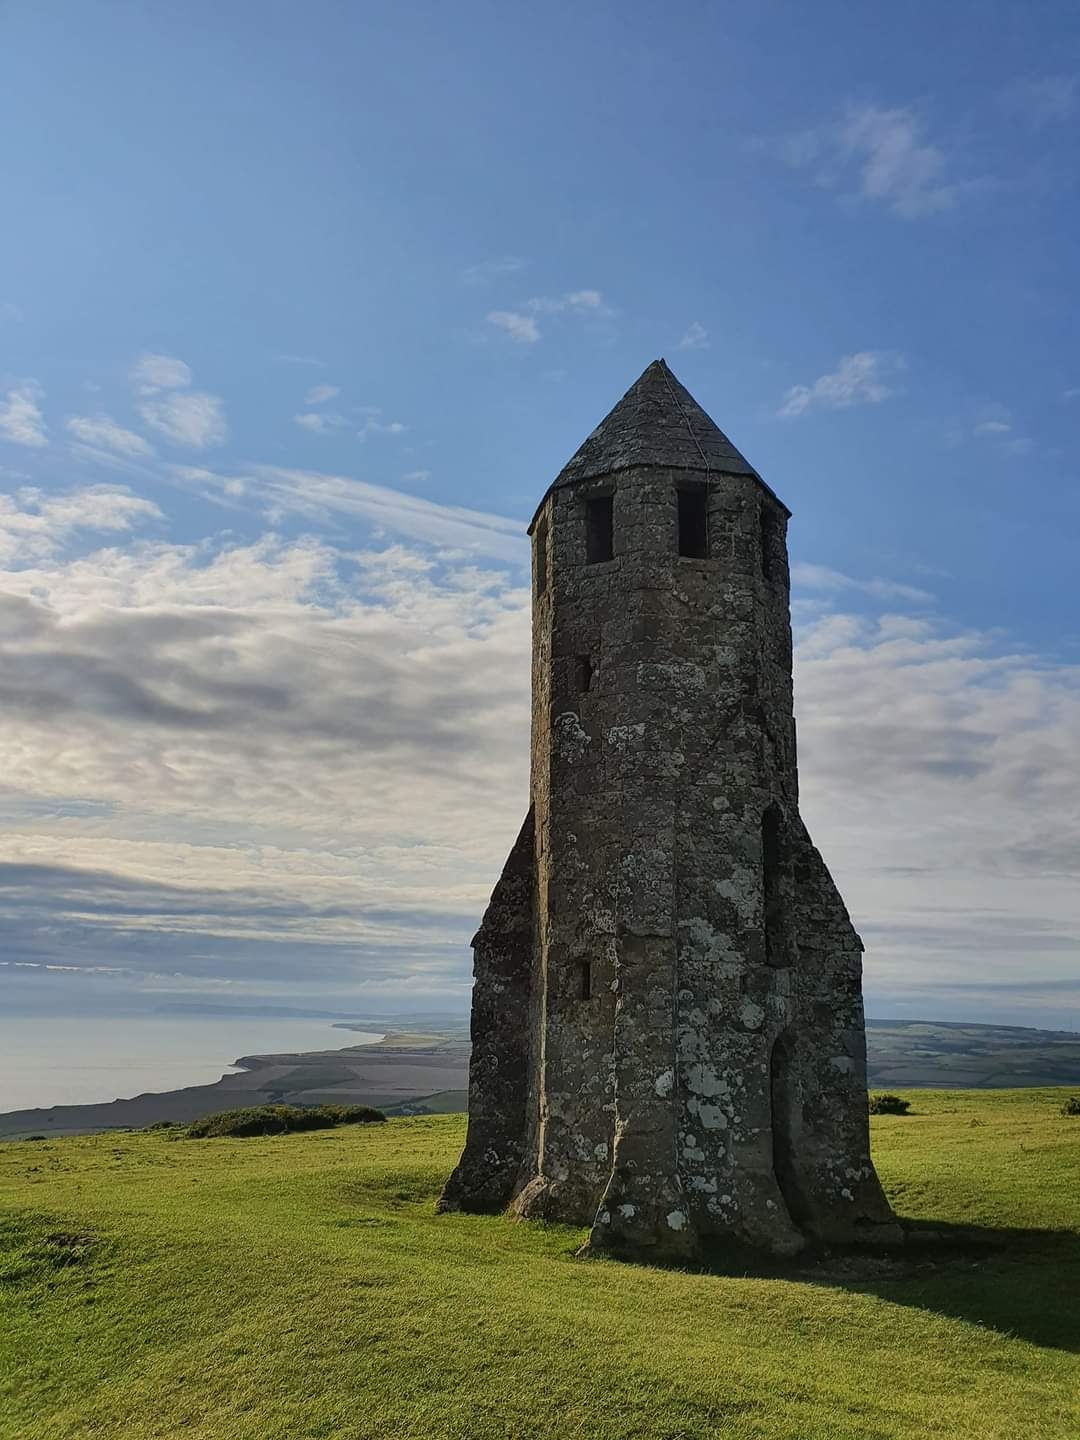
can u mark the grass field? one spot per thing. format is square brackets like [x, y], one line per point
[300, 1286]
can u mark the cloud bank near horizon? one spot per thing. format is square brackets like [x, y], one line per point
[291, 767]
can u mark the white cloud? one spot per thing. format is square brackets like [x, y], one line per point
[1073, 393]
[319, 422]
[520, 325]
[185, 417]
[993, 427]
[696, 337]
[319, 394]
[21, 419]
[102, 431]
[418, 477]
[309, 762]
[489, 270]
[882, 154]
[585, 300]
[1043, 100]
[899, 167]
[521, 328]
[938, 776]
[299, 360]
[151, 373]
[859, 379]
[372, 426]
[291, 767]
[318, 497]
[34, 524]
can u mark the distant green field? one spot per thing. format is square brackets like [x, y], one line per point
[300, 1286]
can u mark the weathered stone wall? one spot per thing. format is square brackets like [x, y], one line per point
[499, 1062]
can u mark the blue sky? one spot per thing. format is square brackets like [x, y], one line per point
[301, 308]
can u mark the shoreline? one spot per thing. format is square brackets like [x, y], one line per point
[398, 1071]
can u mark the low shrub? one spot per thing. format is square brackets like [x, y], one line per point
[278, 1119]
[888, 1105]
[1071, 1106]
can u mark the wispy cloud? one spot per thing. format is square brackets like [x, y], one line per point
[883, 155]
[319, 394]
[152, 373]
[101, 431]
[696, 337]
[1043, 100]
[188, 418]
[521, 328]
[821, 578]
[520, 325]
[299, 360]
[278, 491]
[319, 422]
[21, 418]
[374, 426]
[490, 270]
[898, 166]
[185, 417]
[993, 425]
[860, 379]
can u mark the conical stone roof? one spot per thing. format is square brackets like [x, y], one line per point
[657, 422]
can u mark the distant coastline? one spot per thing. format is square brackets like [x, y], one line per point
[70, 1060]
[420, 1066]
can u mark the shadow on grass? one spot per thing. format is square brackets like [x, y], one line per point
[1023, 1283]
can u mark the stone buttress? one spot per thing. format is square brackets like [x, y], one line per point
[668, 1034]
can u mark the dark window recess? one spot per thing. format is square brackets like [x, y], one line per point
[585, 980]
[694, 522]
[770, 542]
[772, 862]
[599, 529]
[541, 557]
[583, 673]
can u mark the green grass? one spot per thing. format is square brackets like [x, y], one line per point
[300, 1286]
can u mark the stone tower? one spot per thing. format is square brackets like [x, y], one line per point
[668, 1035]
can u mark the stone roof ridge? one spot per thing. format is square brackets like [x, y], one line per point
[657, 422]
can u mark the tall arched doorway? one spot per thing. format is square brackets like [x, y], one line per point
[785, 1128]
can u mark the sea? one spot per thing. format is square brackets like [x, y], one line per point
[89, 1060]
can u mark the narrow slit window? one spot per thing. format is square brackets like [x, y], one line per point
[541, 559]
[583, 673]
[772, 862]
[694, 522]
[585, 980]
[599, 529]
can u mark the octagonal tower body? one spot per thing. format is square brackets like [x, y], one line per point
[668, 1035]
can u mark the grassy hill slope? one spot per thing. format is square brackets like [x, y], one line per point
[301, 1286]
